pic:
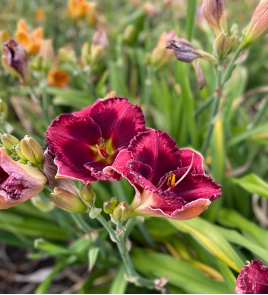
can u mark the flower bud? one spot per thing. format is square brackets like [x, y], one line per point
[4, 36]
[187, 52]
[87, 193]
[66, 56]
[129, 34]
[85, 54]
[199, 75]
[121, 212]
[110, 94]
[17, 150]
[67, 201]
[3, 110]
[258, 26]
[31, 150]
[222, 45]
[97, 53]
[46, 54]
[100, 38]
[18, 182]
[108, 207]
[9, 140]
[212, 11]
[15, 61]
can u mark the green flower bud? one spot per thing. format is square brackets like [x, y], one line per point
[87, 193]
[17, 150]
[85, 54]
[222, 45]
[9, 140]
[129, 34]
[67, 201]
[31, 150]
[108, 207]
[121, 212]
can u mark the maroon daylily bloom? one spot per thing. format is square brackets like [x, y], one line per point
[85, 142]
[169, 182]
[253, 279]
[18, 182]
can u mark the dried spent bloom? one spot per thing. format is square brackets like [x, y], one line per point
[258, 26]
[18, 182]
[199, 75]
[15, 61]
[185, 51]
[161, 54]
[31, 41]
[253, 279]
[212, 11]
[85, 142]
[169, 182]
[57, 78]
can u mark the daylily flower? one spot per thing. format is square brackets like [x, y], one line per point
[85, 142]
[169, 182]
[18, 182]
[30, 40]
[57, 78]
[253, 279]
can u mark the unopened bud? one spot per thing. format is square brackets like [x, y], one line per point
[46, 54]
[108, 207]
[9, 140]
[258, 26]
[100, 38]
[17, 150]
[185, 51]
[3, 110]
[222, 45]
[66, 56]
[67, 201]
[15, 61]
[85, 53]
[97, 53]
[129, 34]
[212, 11]
[200, 75]
[121, 212]
[87, 193]
[31, 150]
[110, 94]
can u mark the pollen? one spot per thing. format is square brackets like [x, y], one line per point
[171, 179]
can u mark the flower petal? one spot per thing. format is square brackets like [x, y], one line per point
[118, 119]
[253, 279]
[70, 138]
[66, 172]
[190, 210]
[25, 180]
[85, 111]
[186, 160]
[156, 149]
[196, 186]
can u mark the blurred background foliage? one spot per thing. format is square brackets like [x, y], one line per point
[203, 255]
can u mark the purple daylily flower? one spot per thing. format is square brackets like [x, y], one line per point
[169, 182]
[85, 142]
[253, 279]
[18, 182]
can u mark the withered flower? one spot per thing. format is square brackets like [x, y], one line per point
[15, 60]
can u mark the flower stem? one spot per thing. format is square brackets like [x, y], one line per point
[216, 101]
[120, 239]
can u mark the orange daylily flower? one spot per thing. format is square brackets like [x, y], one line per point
[40, 15]
[31, 41]
[77, 8]
[57, 78]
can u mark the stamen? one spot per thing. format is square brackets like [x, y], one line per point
[184, 175]
[171, 179]
[102, 149]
